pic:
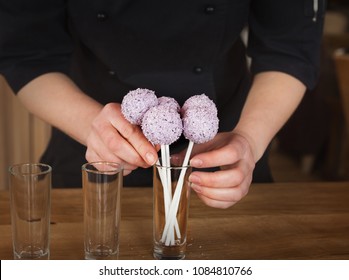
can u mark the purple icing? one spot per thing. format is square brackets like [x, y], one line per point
[161, 125]
[136, 102]
[170, 102]
[201, 100]
[200, 124]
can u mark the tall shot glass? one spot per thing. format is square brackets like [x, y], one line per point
[171, 193]
[102, 184]
[30, 196]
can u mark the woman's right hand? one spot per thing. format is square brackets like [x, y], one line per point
[103, 130]
[113, 138]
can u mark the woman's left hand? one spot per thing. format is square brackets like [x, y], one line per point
[223, 188]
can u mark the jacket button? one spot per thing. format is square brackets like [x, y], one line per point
[101, 16]
[111, 72]
[209, 9]
[197, 70]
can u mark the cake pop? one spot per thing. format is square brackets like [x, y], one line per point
[160, 125]
[200, 124]
[170, 102]
[201, 100]
[136, 102]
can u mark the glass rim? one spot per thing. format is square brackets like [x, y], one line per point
[157, 164]
[118, 167]
[14, 169]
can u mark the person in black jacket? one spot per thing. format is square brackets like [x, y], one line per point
[71, 63]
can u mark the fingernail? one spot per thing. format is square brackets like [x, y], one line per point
[196, 188]
[194, 179]
[195, 162]
[150, 158]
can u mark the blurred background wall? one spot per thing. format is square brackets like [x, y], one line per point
[315, 138]
[22, 136]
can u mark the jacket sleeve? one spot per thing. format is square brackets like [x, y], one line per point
[33, 40]
[286, 36]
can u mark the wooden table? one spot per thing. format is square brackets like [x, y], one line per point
[274, 221]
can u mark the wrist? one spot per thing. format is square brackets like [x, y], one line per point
[254, 145]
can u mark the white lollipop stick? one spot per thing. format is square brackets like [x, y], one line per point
[167, 185]
[167, 199]
[176, 197]
[168, 170]
[167, 164]
[164, 181]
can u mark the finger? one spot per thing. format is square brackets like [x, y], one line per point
[93, 156]
[134, 136]
[232, 194]
[179, 157]
[195, 150]
[222, 197]
[216, 203]
[103, 154]
[218, 179]
[218, 157]
[108, 144]
[111, 143]
[106, 138]
[231, 175]
[226, 148]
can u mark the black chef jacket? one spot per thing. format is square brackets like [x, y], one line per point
[178, 48]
